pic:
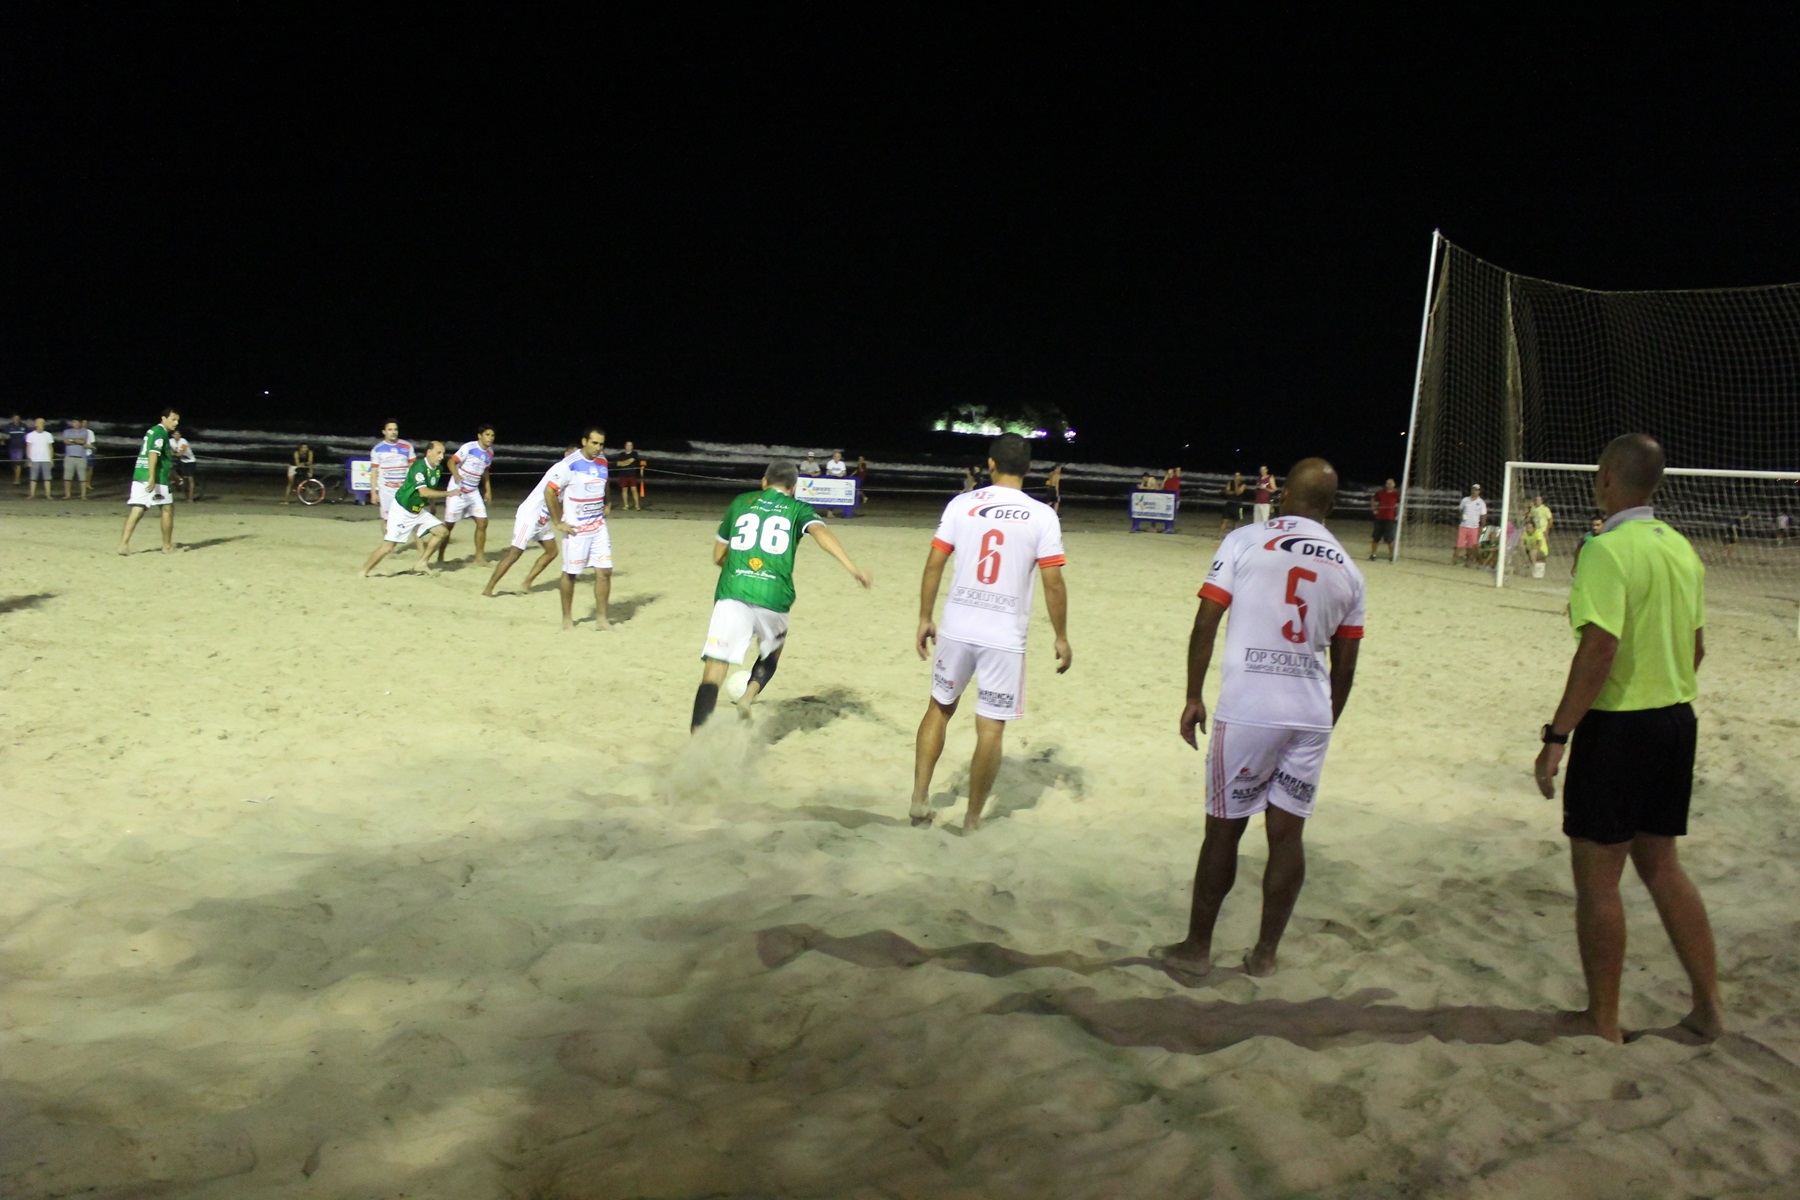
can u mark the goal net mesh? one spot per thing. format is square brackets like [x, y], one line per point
[1516, 369]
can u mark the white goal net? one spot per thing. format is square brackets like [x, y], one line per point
[1522, 382]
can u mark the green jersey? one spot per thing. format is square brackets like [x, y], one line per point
[419, 474]
[762, 532]
[156, 441]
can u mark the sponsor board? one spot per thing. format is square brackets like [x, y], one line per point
[1153, 506]
[826, 492]
[359, 469]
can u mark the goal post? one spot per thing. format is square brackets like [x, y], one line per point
[1734, 519]
[1520, 380]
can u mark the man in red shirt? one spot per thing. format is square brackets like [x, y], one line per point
[1265, 495]
[1386, 504]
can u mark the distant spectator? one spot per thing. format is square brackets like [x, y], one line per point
[1148, 482]
[628, 469]
[299, 470]
[1172, 481]
[862, 480]
[1385, 504]
[1053, 481]
[1266, 488]
[187, 469]
[16, 429]
[835, 466]
[77, 440]
[1232, 515]
[810, 464]
[40, 453]
[1471, 517]
[1783, 528]
[971, 480]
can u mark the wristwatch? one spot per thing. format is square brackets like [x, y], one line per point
[1553, 738]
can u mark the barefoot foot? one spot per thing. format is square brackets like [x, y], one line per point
[1706, 1021]
[1585, 1024]
[1184, 959]
[1259, 961]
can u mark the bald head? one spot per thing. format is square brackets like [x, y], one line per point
[1311, 489]
[1636, 464]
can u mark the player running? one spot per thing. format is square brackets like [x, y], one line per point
[1292, 592]
[758, 540]
[408, 514]
[531, 523]
[471, 490]
[575, 493]
[388, 461]
[1003, 540]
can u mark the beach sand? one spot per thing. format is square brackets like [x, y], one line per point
[317, 886]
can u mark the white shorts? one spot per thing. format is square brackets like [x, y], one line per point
[583, 550]
[1249, 767]
[145, 496]
[384, 496]
[402, 525]
[531, 525]
[465, 504]
[1001, 693]
[734, 623]
[1263, 511]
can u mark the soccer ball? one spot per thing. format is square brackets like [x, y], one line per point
[736, 684]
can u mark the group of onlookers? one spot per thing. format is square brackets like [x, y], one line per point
[32, 449]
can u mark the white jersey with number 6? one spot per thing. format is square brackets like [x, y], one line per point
[1000, 537]
[1291, 589]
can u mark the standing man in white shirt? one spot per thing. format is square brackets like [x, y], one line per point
[531, 523]
[1292, 596]
[40, 454]
[188, 468]
[575, 493]
[388, 461]
[471, 490]
[1471, 516]
[1002, 540]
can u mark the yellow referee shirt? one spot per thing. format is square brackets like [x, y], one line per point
[1642, 582]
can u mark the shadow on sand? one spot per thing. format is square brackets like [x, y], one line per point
[1175, 1023]
[209, 543]
[20, 603]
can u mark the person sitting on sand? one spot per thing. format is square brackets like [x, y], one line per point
[1276, 708]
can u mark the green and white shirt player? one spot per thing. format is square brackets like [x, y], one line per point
[150, 482]
[756, 545]
[408, 515]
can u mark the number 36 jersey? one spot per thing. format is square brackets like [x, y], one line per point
[1000, 537]
[1291, 589]
[762, 532]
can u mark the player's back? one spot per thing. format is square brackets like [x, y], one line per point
[999, 537]
[762, 531]
[1289, 588]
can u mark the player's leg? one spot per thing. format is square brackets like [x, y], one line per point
[1282, 879]
[728, 635]
[990, 735]
[706, 696]
[928, 747]
[512, 555]
[133, 514]
[952, 666]
[761, 672]
[1683, 915]
[602, 597]
[1214, 875]
[565, 585]
[1600, 935]
[771, 635]
[575, 547]
[433, 541]
[544, 560]
[449, 527]
[382, 551]
[168, 524]
[481, 541]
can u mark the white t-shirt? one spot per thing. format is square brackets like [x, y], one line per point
[580, 483]
[1000, 537]
[534, 501]
[1473, 509]
[183, 451]
[389, 460]
[470, 464]
[40, 445]
[1291, 589]
[836, 468]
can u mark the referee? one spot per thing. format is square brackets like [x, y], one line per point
[1637, 605]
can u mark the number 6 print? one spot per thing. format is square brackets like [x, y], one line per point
[776, 535]
[987, 567]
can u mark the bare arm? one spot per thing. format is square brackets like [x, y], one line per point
[1343, 673]
[1699, 647]
[828, 542]
[928, 590]
[1587, 675]
[1200, 652]
[553, 501]
[1056, 602]
[718, 553]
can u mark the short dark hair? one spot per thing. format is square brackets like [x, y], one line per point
[1011, 454]
[593, 429]
[169, 412]
[781, 473]
[482, 428]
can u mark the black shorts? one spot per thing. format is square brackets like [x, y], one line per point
[1630, 773]
[1384, 532]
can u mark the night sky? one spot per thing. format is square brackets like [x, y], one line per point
[1181, 233]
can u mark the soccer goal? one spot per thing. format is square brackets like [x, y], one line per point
[1521, 382]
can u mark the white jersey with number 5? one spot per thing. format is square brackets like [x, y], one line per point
[1291, 589]
[1000, 537]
